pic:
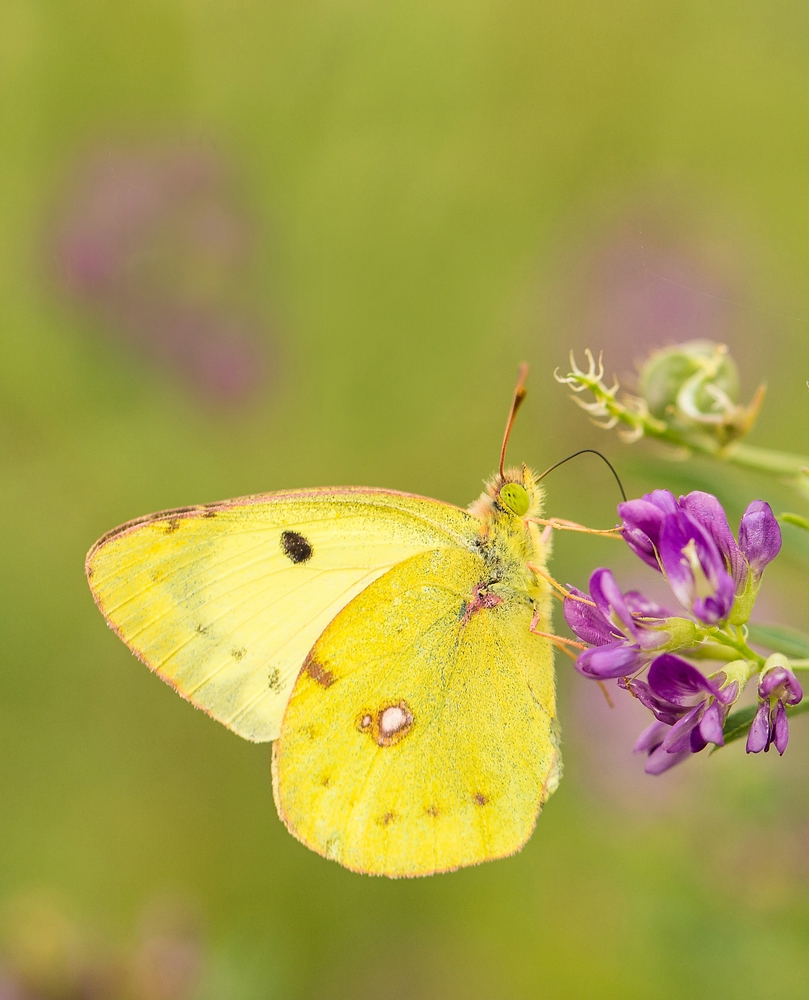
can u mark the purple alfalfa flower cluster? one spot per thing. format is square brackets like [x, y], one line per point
[716, 579]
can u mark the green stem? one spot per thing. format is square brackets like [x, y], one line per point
[799, 664]
[738, 644]
[779, 463]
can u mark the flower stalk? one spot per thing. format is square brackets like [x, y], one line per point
[688, 402]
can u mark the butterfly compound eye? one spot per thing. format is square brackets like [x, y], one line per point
[514, 498]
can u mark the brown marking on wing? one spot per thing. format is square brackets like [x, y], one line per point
[318, 672]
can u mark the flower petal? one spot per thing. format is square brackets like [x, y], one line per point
[660, 761]
[614, 660]
[663, 711]
[780, 728]
[679, 736]
[642, 521]
[640, 605]
[710, 514]
[779, 680]
[758, 738]
[675, 680]
[710, 728]
[759, 535]
[610, 602]
[651, 738]
[587, 621]
[694, 568]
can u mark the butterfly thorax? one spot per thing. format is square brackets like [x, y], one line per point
[509, 538]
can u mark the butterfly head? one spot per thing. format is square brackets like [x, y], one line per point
[511, 496]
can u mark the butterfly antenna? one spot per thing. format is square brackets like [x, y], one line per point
[584, 451]
[519, 396]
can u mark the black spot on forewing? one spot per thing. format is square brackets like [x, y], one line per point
[295, 547]
[274, 680]
[480, 799]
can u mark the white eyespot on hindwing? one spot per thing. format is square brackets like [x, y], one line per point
[388, 724]
[392, 720]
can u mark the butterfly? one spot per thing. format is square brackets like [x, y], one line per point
[395, 648]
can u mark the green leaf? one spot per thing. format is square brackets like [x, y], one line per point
[796, 519]
[781, 639]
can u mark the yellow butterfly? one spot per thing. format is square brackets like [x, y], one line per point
[385, 641]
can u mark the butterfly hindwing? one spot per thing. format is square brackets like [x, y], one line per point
[420, 733]
[225, 601]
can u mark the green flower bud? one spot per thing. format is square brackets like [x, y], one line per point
[695, 387]
[686, 377]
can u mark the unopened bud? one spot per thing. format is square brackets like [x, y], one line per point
[695, 386]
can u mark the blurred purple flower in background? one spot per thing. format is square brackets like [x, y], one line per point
[653, 276]
[46, 956]
[150, 243]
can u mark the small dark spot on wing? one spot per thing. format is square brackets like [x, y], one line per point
[201, 629]
[274, 680]
[295, 547]
[172, 525]
[387, 819]
[433, 811]
[325, 781]
[479, 799]
[238, 654]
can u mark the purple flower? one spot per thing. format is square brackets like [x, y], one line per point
[690, 541]
[668, 537]
[689, 707]
[624, 629]
[695, 569]
[759, 536]
[643, 521]
[778, 687]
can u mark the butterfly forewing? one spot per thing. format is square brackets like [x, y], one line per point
[225, 601]
[420, 734]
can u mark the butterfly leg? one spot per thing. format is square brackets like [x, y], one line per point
[563, 525]
[558, 586]
[555, 639]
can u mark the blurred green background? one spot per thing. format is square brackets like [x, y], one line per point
[249, 246]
